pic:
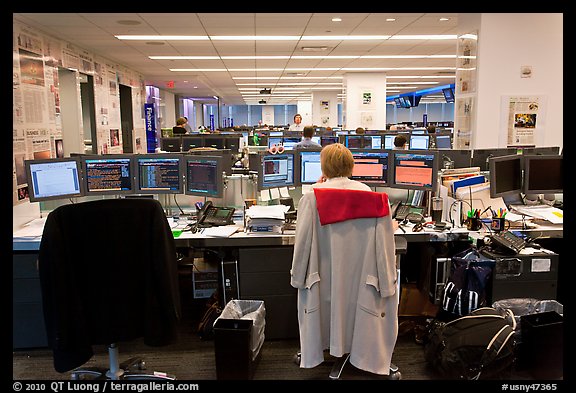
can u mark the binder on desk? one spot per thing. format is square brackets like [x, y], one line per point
[479, 196]
[468, 181]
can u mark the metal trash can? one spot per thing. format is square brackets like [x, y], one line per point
[238, 338]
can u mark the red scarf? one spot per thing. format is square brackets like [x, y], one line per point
[335, 205]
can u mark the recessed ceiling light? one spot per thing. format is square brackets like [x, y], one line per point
[314, 48]
[443, 19]
[128, 22]
[336, 19]
[390, 19]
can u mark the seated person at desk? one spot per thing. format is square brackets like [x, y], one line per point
[297, 125]
[331, 290]
[400, 142]
[307, 141]
[179, 128]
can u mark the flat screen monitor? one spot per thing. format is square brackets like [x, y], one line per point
[448, 94]
[310, 170]
[455, 158]
[328, 140]
[290, 142]
[354, 141]
[217, 142]
[373, 142]
[108, 174]
[548, 150]
[159, 173]
[397, 102]
[204, 176]
[505, 175]
[418, 131]
[276, 170]
[419, 142]
[54, 178]
[171, 144]
[414, 170]
[316, 139]
[273, 140]
[191, 142]
[443, 141]
[232, 142]
[371, 167]
[480, 157]
[389, 141]
[543, 174]
[228, 158]
[276, 133]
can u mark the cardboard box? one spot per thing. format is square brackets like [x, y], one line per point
[414, 302]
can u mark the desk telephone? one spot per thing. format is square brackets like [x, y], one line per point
[400, 211]
[211, 215]
[508, 241]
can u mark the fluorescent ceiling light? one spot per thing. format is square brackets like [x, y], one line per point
[327, 57]
[286, 37]
[308, 69]
[424, 37]
[286, 77]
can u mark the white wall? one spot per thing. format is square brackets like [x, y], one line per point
[507, 42]
[305, 109]
[325, 116]
[356, 111]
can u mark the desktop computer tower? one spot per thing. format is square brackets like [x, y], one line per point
[229, 281]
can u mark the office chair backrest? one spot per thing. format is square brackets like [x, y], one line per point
[108, 273]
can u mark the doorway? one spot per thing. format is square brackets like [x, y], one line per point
[126, 119]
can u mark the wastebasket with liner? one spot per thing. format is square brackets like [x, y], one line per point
[238, 338]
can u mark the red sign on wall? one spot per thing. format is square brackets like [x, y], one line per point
[170, 84]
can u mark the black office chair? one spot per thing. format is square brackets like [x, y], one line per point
[108, 274]
[355, 277]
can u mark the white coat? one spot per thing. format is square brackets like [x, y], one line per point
[346, 277]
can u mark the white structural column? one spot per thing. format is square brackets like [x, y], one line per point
[509, 78]
[305, 109]
[364, 101]
[325, 108]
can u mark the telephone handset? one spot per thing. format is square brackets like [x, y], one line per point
[211, 215]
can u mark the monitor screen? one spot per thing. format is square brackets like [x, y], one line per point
[389, 141]
[108, 174]
[191, 142]
[414, 170]
[543, 174]
[480, 156]
[443, 142]
[448, 94]
[371, 167]
[316, 139]
[276, 133]
[274, 141]
[290, 142]
[505, 175]
[159, 173]
[54, 178]
[310, 170]
[419, 142]
[418, 131]
[232, 142]
[354, 141]
[276, 170]
[373, 142]
[398, 102]
[170, 144]
[204, 176]
[328, 140]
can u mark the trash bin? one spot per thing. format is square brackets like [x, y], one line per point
[532, 334]
[238, 338]
[542, 344]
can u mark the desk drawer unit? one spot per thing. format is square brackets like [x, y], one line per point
[264, 274]
[27, 315]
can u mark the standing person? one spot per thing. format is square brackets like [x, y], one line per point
[307, 141]
[187, 126]
[400, 142]
[297, 125]
[348, 308]
[179, 129]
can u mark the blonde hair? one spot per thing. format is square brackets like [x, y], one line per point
[336, 161]
[180, 121]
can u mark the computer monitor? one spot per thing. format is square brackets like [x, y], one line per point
[159, 173]
[232, 142]
[371, 167]
[505, 175]
[290, 142]
[276, 170]
[309, 168]
[326, 140]
[418, 131]
[389, 141]
[443, 141]
[448, 94]
[273, 140]
[419, 142]
[354, 141]
[547, 150]
[455, 158]
[316, 139]
[543, 174]
[191, 142]
[373, 142]
[480, 157]
[228, 158]
[414, 170]
[172, 144]
[217, 142]
[276, 133]
[54, 178]
[111, 174]
[204, 176]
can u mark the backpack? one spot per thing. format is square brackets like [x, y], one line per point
[479, 345]
[465, 290]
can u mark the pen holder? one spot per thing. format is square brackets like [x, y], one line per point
[499, 224]
[473, 224]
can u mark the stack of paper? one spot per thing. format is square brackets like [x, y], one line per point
[543, 212]
[262, 219]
